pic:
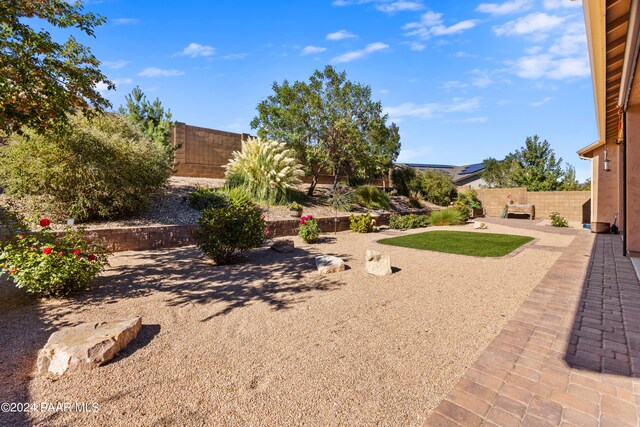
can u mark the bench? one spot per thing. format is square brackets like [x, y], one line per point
[521, 209]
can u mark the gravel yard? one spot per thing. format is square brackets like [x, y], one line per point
[271, 342]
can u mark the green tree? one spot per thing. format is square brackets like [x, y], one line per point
[41, 80]
[533, 166]
[436, 187]
[331, 123]
[150, 118]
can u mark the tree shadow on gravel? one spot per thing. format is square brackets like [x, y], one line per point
[185, 276]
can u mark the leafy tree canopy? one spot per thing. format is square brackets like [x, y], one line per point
[41, 80]
[332, 123]
[533, 166]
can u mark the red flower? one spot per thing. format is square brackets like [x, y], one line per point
[44, 222]
[91, 257]
[60, 253]
[77, 252]
[13, 270]
[46, 250]
[267, 230]
[263, 216]
[21, 236]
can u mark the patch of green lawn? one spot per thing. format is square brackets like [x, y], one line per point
[460, 242]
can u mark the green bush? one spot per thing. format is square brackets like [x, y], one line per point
[295, 206]
[404, 180]
[470, 198]
[206, 198]
[102, 168]
[372, 197]
[362, 223]
[449, 216]
[224, 233]
[49, 265]
[464, 210]
[415, 199]
[340, 198]
[436, 187]
[557, 220]
[405, 222]
[266, 170]
[309, 229]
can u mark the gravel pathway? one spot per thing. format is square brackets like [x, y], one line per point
[269, 341]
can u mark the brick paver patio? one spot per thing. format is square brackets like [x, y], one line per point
[571, 354]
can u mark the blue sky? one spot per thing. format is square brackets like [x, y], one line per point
[464, 80]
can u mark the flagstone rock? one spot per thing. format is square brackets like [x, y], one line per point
[377, 263]
[85, 346]
[283, 246]
[479, 225]
[329, 264]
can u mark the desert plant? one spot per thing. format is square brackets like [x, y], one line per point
[449, 216]
[463, 209]
[99, 168]
[267, 170]
[470, 198]
[309, 229]
[237, 197]
[557, 220]
[206, 198]
[50, 265]
[372, 197]
[339, 198]
[362, 223]
[436, 187]
[405, 222]
[224, 233]
[415, 199]
[295, 206]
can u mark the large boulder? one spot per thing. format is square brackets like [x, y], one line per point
[329, 264]
[85, 346]
[377, 264]
[477, 225]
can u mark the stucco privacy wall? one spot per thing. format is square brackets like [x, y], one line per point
[572, 205]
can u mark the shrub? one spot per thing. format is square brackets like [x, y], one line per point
[206, 198]
[557, 220]
[415, 199]
[102, 168]
[224, 233]
[470, 198]
[340, 198]
[309, 229]
[404, 180]
[405, 222]
[362, 223]
[237, 197]
[447, 216]
[50, 265]
[267, 170]
[295, 206]
[464, 210]
[372, 197]
[436, 187]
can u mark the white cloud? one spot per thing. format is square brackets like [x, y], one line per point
[541, 102]
[418, 47]
[359, 54]
[126, 21]
[340, 35]
[453, 84]
[399, 6]
[195, 50]
[115, 65]
[461, 54]
[547, 66]
[159, 72]
[235, 56]
[569, 44]
[308, 50]
[536, 24]
[102, 87]
[433, 110]
[125, 81]
[558, 4]
[481, 79]
[431, 24]
[408, 154]
[505, 8]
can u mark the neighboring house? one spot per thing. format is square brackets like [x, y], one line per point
[467, 175]
[613, 40]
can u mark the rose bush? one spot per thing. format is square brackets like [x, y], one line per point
[309, 229]
[50, 265]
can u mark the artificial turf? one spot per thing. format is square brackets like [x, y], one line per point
[460, 242]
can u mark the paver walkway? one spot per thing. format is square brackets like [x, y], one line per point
[571, 354]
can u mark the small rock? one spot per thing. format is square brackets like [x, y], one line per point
[479, 225]
[329, 264]
[378, 264]
[283, 246]
[86, 346]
